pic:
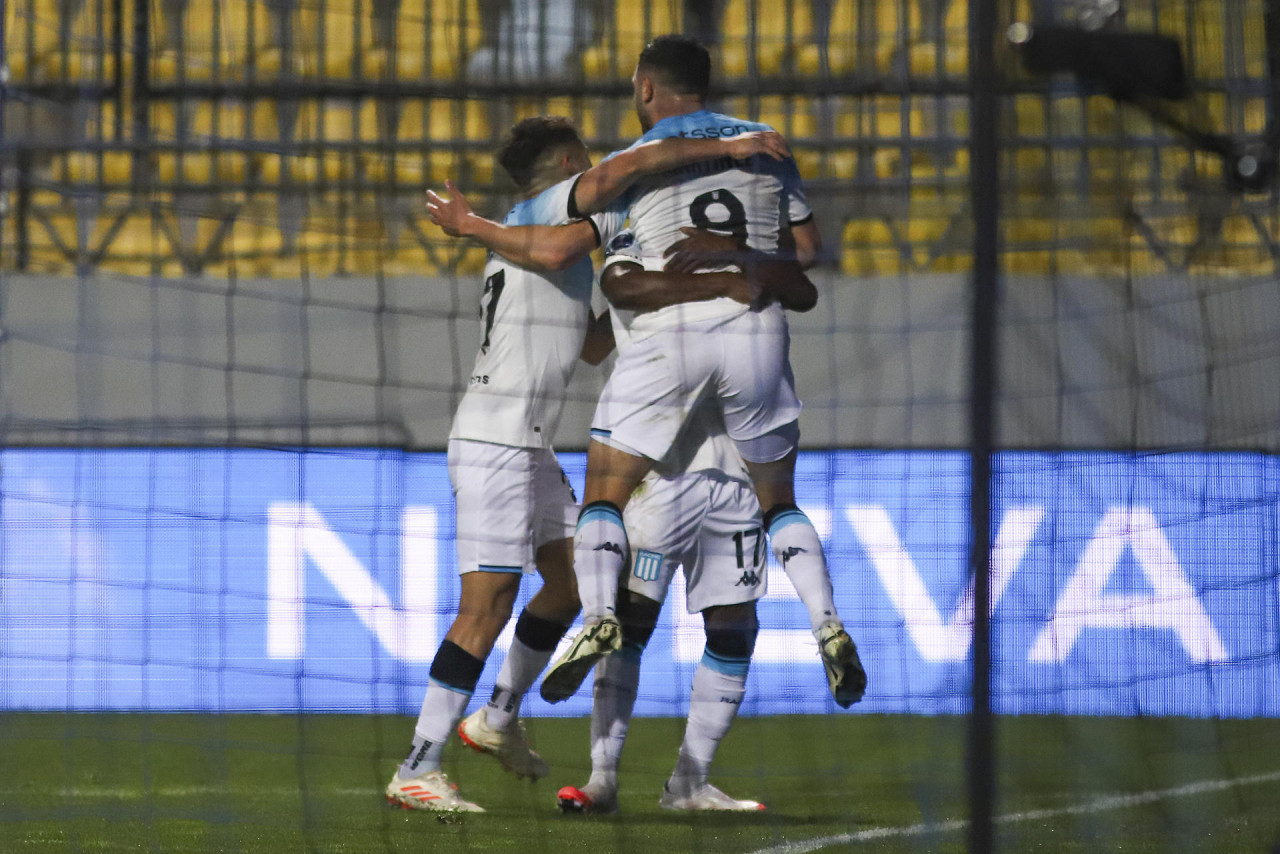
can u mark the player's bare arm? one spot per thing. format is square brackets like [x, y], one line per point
[553, 248]
[544, 248]
[599, 342]
[630, 287]
[601, 184]
[805, 242]
[777, 278]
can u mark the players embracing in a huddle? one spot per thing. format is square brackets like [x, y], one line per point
[696, 431]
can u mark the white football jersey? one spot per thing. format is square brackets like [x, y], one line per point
[703, 444]
[533, 326]
[753, 199]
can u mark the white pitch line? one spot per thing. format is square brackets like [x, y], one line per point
[136, 792]
[1104, 804]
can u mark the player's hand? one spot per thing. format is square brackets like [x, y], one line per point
[702, 250]
[449, 213]
[766, 142]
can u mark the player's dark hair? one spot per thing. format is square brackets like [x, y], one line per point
[679, 61]
[529, 140]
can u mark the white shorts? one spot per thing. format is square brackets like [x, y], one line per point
[710, 525]
[509, 501]
[740, 363]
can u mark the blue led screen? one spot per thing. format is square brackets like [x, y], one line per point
[324, 579]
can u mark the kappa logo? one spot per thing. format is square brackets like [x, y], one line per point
[609, 547]
[750, 578]
[788, 554]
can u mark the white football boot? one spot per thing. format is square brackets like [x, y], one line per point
[429, 791]
[511, 748]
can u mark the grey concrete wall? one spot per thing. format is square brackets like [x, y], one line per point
[1170, 362]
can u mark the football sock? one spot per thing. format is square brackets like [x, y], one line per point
[617, 681]
[719, 684]
[535, 641]
[797, 547]
[599, 553]
[454, 674]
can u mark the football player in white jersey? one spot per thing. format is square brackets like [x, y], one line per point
[695, 510]
[702, 349]
[515, 509]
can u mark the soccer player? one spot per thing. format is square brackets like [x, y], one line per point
[515, 508]
[696, 509]
[715, 348]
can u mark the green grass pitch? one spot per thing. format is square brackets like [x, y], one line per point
[312, 783]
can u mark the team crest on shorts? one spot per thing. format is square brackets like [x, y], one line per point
[648, 564]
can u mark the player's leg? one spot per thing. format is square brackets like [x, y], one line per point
[761, 415]
[641, 411]
[494, 728]
[724, 581]
[719, 684]
[599, 556]
[493, 491]
[601, 546]
[613, 700]
[483, 610]
[637, 419]
[664, 520]
[797, 546]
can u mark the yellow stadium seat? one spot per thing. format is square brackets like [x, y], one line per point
[30, 37]
[432, 137]
[888, 124]
[338, 35]
[853, 42]
[631, 25]
[87, 56]
[869, 248]
[763, 30]
[214, 40]
[214, 143]
[339, 124]
[927, 57]
[94, 167]
[433, 39]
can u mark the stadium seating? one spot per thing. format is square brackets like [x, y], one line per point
[861, 34]
[432, 142]
[344, 138]
[432, 40]
[30, 36]
[942, 49]
[210, 40]
[883, 125]
[88, 57]
[629, 25]
[757, 36]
